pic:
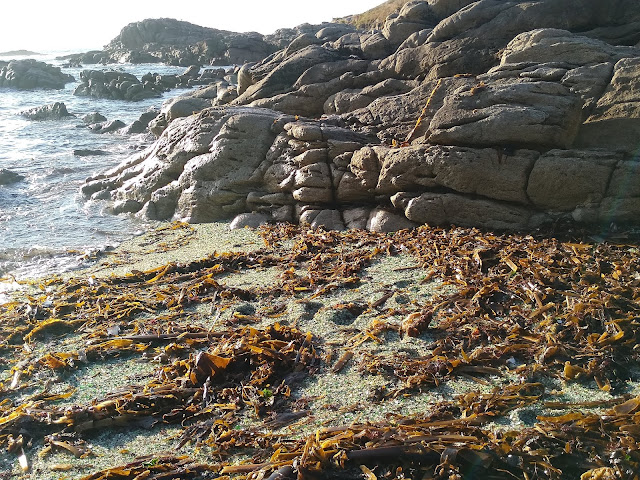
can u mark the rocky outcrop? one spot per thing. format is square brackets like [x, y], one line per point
[30, 74]
[181, 43]
[201, 168]
[115, 85]
[497, 114]
[54, 111]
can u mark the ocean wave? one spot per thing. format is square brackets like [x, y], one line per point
[43, 261]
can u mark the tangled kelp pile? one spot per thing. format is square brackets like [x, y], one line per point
[521, 319]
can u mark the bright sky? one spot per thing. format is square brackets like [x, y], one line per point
[45, 25]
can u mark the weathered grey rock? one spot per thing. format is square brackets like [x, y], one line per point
[327, 219]
[158, 125]
[356, 218]
[107, 127]
[324, 72]
[31, 74]
[622, 201]
[469, 40]
[308, 100]
[448, 208]
[116, 85]
[314, 175]
[494, 21]
[416, 39]
[393, 117]
[181, 43]
[615, 120]
[226, 95]
[301, 42]
[8, 177]
[307, 132]
[313, 195]
[53, 111]
[142, 123]
[352, 190]
[496, 150]
[375, 46]
[125, 206]
[334, 31]
[563, 180]
[548, 45]
[282, 78]
[245, 79]
[444, 8]
[183, 107]
[201, 168]
[350, 100]
[441, 59]
[249, 220]
[525, 114]
[382, 220]
[208, 92]
[626, 34]
[489, 172]
[588, 82]
[397, 30]
[94, 117]
[192, 71]
[86, 152]
[413, 17]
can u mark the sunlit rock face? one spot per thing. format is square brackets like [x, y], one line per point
[500, 115]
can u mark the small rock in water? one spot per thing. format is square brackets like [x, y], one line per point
[107, 127]
[94, 117]
[7, 177]
[85, 152]
[54, 111]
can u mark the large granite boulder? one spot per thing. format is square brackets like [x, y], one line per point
[31, 74]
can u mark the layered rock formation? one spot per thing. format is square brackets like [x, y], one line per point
[499, 114]
[30, 74]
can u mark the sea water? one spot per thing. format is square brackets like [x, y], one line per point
[46, 226]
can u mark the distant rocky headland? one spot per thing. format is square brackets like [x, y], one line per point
[19, 53]
[504, 115]
[176, 42]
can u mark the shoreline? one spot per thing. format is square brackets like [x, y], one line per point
[368, 291]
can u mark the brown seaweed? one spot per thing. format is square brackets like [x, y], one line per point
[539, 309]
